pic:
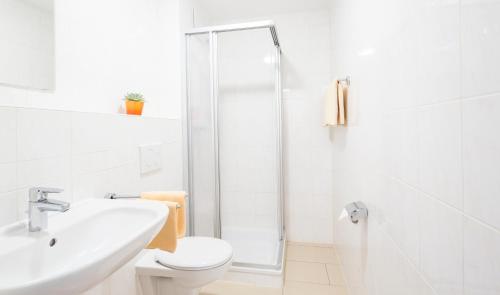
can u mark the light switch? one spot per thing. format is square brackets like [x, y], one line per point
[150, 158]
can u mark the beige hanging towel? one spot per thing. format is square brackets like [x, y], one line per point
[331, 105]
[335, 104]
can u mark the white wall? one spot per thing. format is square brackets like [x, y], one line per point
[86, 154]
[27, 46]
[105, 49]
[73, 137]
[304, 37]
[61, 139]
[304, 32]
[424, 153]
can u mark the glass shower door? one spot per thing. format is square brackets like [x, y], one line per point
[248, 145]
[233, 120]
[200, 121]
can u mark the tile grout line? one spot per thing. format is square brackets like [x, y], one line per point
[316, 262]
[435, 198]
[347, 286]
[416, 268]
[336, 263]
[324, 264]
[19, 215]
[310, 245]
[328, 276]
[461, 74]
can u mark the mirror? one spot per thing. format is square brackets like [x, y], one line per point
[27, 58]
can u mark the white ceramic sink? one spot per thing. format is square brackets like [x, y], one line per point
[92, 240]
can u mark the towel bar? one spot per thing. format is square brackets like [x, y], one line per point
[115, 196]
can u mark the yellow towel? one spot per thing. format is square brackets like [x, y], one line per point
[178, 197]
[335, 104]
[166, 239]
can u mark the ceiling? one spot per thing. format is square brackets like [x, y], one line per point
[247, 9]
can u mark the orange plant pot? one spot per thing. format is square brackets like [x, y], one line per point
[134, 107]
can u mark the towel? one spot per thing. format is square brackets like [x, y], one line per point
[166, 239]
[340, 97]
[336, 104]
[331, 105]
[178, 197]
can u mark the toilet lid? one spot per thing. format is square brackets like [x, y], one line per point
[196, 253]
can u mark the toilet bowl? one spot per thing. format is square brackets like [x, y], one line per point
[197, 262]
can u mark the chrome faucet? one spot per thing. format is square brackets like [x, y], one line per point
[39, 205]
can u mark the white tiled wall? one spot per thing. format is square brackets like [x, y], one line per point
[308, 172]
[86, 154]
[424, 154]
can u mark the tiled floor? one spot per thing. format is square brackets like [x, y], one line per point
[310, 270]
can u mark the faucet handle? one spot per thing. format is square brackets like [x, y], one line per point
[40, 193]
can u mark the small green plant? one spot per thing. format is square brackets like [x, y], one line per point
[133, 96]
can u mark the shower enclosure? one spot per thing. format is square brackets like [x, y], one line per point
[233, 137]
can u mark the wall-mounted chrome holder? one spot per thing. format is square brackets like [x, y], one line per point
[356, 211]
[346, 80]
[115, 196]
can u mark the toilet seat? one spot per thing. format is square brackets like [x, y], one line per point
[196, 253]
[197, 262]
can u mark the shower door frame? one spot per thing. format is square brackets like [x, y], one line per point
[212, 33]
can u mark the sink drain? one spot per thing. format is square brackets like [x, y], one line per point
[52, 242]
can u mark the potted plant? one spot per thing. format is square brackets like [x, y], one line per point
[134, 102]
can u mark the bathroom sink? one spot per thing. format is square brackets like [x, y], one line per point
[80, 248]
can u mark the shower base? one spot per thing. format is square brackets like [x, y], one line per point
[258, 256]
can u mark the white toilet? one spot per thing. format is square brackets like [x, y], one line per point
[197, 262]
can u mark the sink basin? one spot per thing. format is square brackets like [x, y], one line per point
[80, 248]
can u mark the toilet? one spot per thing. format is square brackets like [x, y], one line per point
[196, 262]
